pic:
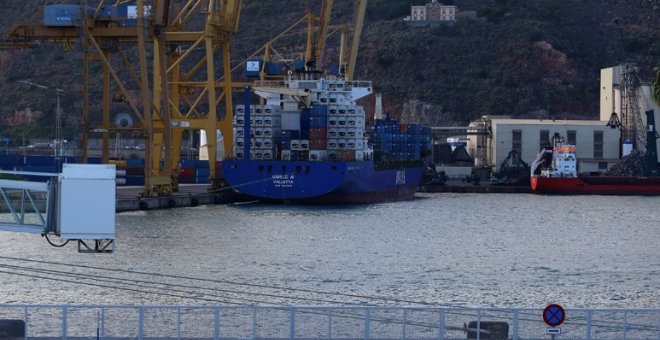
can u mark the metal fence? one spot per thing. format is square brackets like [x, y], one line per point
[249, 322]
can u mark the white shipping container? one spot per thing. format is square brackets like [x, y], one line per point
[270, 132]
[342, 133]
[267, 143]
[291, 120]
[286, 155]
[332, 110]
[267, 154]
[295, 144]
[239, 132]
[332, 144]
[332, 155]
[332, 122]
[318, 155]
[333, 132]
[272, 121]
[304, 144]
[359, 155]
[341, 122]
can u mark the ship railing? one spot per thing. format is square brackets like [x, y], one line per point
[317, 322]
[270, 83]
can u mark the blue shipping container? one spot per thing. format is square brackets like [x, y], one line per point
[194, 163]
[203, 172]
[253, 68]
[134, 180]
[64, 15]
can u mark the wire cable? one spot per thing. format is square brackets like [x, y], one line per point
[53, 244]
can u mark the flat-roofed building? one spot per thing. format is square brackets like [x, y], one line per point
[597, 144]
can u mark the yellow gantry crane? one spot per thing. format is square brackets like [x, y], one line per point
[183, 67]
[168, 103]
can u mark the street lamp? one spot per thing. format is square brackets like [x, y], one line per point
[58, 143]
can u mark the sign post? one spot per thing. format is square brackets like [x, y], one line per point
[554, 315]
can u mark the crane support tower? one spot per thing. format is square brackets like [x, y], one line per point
[168, 102]
[632, 127]
[184, 91]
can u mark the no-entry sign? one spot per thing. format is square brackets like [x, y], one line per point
[554, 315]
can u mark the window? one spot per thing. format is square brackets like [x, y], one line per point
[602, 165]
[598, 144]
[544, 139]
[517, 141]
[571, 137]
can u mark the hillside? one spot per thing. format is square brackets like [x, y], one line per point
[520, 58]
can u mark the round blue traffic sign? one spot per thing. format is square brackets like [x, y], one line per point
[554, 315]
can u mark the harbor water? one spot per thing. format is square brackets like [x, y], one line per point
[444, 250]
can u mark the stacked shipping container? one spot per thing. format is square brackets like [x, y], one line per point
[265, 130]
[395, 141]
[333, 132]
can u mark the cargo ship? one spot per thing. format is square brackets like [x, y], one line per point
[309, 143]
[559, 175]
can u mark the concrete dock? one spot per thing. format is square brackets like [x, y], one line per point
[484, 187]
[189, 195]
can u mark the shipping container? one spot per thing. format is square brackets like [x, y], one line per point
[318, 144]
[194, 163]
[65, 15]
[291, 120]
[318, 155]
[135, 180]
[253, 68]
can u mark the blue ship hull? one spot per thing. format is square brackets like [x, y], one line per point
[320, 182]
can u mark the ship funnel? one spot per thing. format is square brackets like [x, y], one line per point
[378, 114]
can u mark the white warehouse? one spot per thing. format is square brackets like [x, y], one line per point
[597, 145]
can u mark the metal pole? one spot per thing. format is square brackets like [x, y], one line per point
[329, 324]
[178, 323]
[64, 321]
[254, 322]
[588, 325]
[441, 325]
[216, 331]
[405, 323]
[141, 323]
[516, 315]
[478, 324]
[366, 323]
[25, 317]
[292, 327]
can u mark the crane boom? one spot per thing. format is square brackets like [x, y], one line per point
[361, 8]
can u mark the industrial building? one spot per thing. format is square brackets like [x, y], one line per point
[597, 144]
[614, 98]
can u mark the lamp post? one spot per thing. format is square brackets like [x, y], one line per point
[58, 143]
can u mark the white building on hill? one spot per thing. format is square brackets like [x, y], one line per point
[432, 12]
